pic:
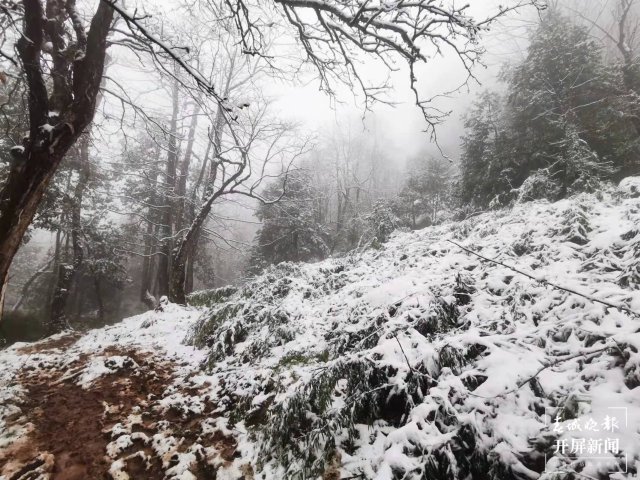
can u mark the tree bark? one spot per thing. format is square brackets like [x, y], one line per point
[166, 245]
[27, 285]
[191, 260]
[67, 272]
[181, 184]
[148, 264]
[96, 284]
[189, 242]
[46, 146]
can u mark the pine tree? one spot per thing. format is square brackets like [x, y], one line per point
[559, 104]
[559, 130]
[486, 159]
[292, 228]
[426, 192]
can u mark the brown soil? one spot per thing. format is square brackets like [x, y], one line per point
[48, 345]
[68, 420]
[70, 424]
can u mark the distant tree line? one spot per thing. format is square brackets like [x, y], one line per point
[568, 120]
[346, 195]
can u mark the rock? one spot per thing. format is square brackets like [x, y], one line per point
[630, 187]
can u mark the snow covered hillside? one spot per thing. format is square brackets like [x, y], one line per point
[413, 360]
[420, 360]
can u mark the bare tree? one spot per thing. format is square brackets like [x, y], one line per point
[62, 65]
[59, 110]
[241, 168]
[333, 34]
[67, 272]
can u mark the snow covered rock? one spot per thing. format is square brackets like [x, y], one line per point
[630, 187]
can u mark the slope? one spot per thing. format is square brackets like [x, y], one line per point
[413, 360]
[420, 360]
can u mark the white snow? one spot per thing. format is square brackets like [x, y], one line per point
[495, 362]
[630, 186]
[376, 305]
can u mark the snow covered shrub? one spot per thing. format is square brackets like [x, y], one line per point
[631, 359]
[582, 168]
[464, 212]
[381, 222]
[330, 280]
[205, 298]
[522, 245]
[539, 185]
[630, 187]
[503, 200]
[441, 317]
[576, 225]
[630, 260]
[240, 309]
[422, 361]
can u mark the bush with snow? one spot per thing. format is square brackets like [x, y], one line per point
[630, 187]
[420, 360]
[539, 185]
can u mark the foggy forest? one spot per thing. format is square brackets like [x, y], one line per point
[319, 239]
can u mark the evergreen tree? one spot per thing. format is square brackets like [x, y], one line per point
[292, 228]
[426, 192]
[560, 108]
[560, 129]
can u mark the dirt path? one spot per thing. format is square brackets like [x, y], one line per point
[119, 426]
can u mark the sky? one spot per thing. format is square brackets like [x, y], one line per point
[400, 129]
[402, 126]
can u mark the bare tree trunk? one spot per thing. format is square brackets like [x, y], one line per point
[181, 186]
[148, 264]
[27, 285]
[33, 167]
[190, 240]
[188, 243]
[67, 272]
[96, 284]
[191, 260]
[630, 70]
[55, 263]
[166, 243]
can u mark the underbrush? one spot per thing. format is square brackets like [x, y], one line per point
[421, 361]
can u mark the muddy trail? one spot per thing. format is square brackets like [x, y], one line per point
[108, 414]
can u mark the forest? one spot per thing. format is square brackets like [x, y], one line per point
[318, 239]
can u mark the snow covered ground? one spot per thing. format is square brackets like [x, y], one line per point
[106, 380]
[414, 360]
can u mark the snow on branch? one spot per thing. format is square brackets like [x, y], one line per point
[332, 35]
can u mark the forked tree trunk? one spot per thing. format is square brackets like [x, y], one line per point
[96, 284]
[191, 260]
[150, 245]
[185, 251]
[27, 285]
[147, 264]
[47, 144]
[182, 217]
